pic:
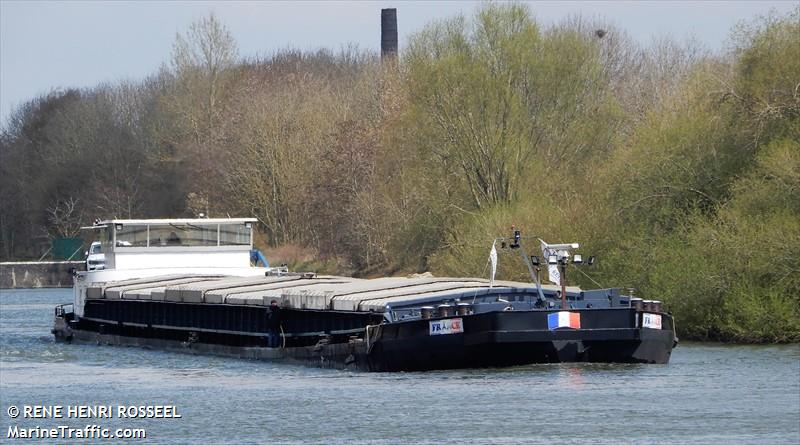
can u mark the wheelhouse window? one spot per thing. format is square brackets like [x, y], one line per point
[183, 235]
[130, 235]
[234, 234]
[105, 236]
[188, 235]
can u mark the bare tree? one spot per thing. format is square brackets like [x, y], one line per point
[201, 58]
[65, 217]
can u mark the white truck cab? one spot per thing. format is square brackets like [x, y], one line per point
[95, 258]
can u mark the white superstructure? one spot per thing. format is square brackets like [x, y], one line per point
[141, 248]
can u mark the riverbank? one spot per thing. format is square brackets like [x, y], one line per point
[37, 274]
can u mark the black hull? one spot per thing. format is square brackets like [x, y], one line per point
[336, 356]
[493, 339]
[500, 339]
[423, 355]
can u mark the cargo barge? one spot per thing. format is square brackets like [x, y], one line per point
[189, 285]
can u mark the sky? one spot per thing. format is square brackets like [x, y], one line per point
[48, 45]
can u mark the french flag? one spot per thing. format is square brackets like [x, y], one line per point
[564, 319]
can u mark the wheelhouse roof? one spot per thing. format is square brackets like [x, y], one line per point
[194, 221]
[179, 221]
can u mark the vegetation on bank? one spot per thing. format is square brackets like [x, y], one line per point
[678, 168]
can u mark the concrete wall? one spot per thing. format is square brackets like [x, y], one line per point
[15, 275]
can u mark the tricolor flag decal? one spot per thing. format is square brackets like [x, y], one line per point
[564, 319]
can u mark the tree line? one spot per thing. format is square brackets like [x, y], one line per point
[677, 166]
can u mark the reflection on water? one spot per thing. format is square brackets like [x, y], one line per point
[707, 394]
[574, 377]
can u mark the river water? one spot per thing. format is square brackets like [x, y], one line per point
[707, 394]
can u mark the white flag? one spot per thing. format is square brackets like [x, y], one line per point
[493, 260]
[552, 269]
